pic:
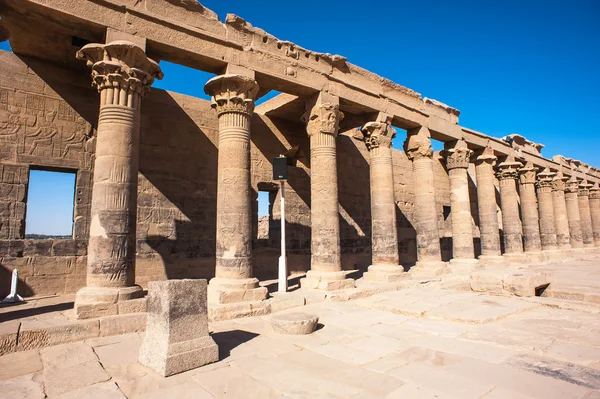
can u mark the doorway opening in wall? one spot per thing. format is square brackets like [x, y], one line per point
[268, 223]
[50, 204]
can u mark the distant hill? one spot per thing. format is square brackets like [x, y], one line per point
[46, 237]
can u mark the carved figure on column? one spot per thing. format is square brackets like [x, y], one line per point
[233, 99]
[530, 212]
[322, 120]
[508, 172]
[563, 235]
[418, 149]
[122, 73]
[457, 163]
[571, 194]
[546, 213]
[384, 236]
[585, 215]
[595, 212]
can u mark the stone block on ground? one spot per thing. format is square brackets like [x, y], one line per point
[8, 336]
[510, 282]
[294, 323]
[177, 337]
[122, 324]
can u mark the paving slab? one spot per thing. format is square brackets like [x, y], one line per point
[102, 390]
[20, 363]
[65, 379]
[28, 386]
[229, 382]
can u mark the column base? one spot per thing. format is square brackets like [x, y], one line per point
[463, 266]
[554, 255]
[328, 281]
[225, 290]
[519, 258]
[385, 273]
[92, 302]
[429, 269]
[492, 260]
[535, 256]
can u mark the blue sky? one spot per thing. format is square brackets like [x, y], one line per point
[528, 67]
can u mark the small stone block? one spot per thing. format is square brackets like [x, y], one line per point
[177, 337]
[294, 323]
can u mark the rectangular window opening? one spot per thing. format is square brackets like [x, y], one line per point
[265, 214]
[50, 204]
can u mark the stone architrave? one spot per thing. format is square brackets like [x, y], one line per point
[322, 120]
[487, 206]
[233, 98]
[177, 336]
[384, 235]
[529, 210]
[585, 215]
[457, 163]
[546, 210]
[508, 172]
[571, 194]
[429, 259]
[595, 212]
[123, 74]
[563, 235]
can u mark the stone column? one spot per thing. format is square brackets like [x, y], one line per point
[529, 212]
[123, 74]
[322, 124]
[509, 203]
[595, 212]
[429, 259]
[563, 236]
[233, 98]
[546, 212]
[571, 193]
[457, 163]
[384, 235]
[488, 208]
[585, 214]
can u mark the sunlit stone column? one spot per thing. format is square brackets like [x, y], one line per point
[429, 259]
[322, 124]
[529, 212]
[571, 193]
[384, 235]
[509, 203]
[457, 163]
[585, 215]
[595, 212]
[563, 236]
[233, 98]
[123, 74]
[546, 213]
[489, 230]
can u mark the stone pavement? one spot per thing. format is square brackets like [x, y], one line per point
[417, 343]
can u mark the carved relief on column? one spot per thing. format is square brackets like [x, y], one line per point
[418, 149]
[384, 236]
[529, 208]
[457, 163]
[546, 210]
[123, 74]
[233, 99]
[322, 120]
[585, 214]
[571, 194]
[486, 205]
[595, 212]
[563, 235]
[508, 172]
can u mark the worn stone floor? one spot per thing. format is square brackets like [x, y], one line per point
[416, 343]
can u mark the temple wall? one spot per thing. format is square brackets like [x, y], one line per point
[47, 119]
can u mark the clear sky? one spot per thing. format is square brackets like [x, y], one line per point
[528, 67]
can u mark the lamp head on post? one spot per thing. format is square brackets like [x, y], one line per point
[280, 168]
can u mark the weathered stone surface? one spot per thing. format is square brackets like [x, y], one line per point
[39, 334]
[122, 324]
[509, 282]
[20, 363]
[8, 336]
[177, 337]
[294, 323]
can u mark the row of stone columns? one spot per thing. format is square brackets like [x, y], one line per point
[123, 73]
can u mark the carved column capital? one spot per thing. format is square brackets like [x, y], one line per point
[572, 185]
[418, 146]
[120, 65]
[487, 155]
[232, 93]
[378, 134]
[323, 118]
[584, 188]
[458, 156]
[544, 178]
[508, 169]
[558, 182]
[528, 173]
[595, 191]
